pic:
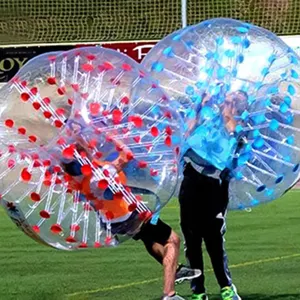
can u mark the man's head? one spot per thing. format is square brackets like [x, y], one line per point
[236, 102]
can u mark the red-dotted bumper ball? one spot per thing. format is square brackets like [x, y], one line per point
[89, 148]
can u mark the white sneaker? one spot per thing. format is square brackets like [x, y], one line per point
[185, 273]
[175, 297]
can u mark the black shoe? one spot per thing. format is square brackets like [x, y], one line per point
[185, 273]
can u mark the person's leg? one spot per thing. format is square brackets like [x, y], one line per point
[216, 229]
[170, 263]
[155, 250]
[163, 244]
[194, 256]
[189, 221]
[215, 245]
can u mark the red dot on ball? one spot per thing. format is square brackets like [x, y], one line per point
[25, 97]
[22, 130]
[44, 214]
[36, 105]
[87, 67]
[97, 245]
[25, 175]
[56, 229]
[132, 207]
[71, 239]
[35, 197]
[32, 138]
[154, 131]
[51, 80]
[47, 114]
[86, 170]
[36, 228]
[83, 245]
[75, 227]
[9, 123]
[58, 123]
[103, 184]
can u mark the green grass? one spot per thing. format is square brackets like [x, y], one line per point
[263, 248]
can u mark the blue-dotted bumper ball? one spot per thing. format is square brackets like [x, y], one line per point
[240, 83]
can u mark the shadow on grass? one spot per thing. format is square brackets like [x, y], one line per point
[258, 297]
[252, 297]
[217, 297]
[271, 297]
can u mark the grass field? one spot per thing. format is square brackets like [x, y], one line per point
[263, 248]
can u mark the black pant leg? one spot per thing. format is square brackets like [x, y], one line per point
[215, 246]
[215, 230]
[194, 256]
[191, 230]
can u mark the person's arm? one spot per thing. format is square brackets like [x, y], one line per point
[191, 123]
[230, 122]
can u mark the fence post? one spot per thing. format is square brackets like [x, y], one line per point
[184, 13]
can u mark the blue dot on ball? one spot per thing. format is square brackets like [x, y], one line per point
[274, 124]
[256, 133]
[283, 108]
[209, 71]
[272, 58]
[229, 53]
[244, 158]
[265, 71]
[287, 100]
[236, 40]
[219, 41]
[291, 90]
[272, 90]
[279, 179]
[238, 128]
[269, 192]
[290, 118]
[234, 72]
[244, 115]
[246, 43]
[241, 58]
[238, 175]
[168, 52]
[242, 29]
[290, 140]
[199, 84]
[293, 60]
[189, 90]
[258, 143]
[258, 85]
[261, 188]
[215, 90]
[254, 202]
[189, 44]
[241, 206]
[157, 66]
[259, 119]
[294, 74]
[209, 55]
[221, 73]
[296, 168]
[177, 37]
